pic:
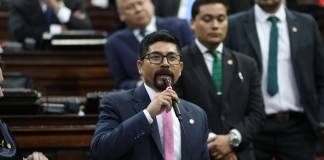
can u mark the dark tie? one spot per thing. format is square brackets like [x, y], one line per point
[217, 71]
[49, 16]
[142, 32]
[272, 86]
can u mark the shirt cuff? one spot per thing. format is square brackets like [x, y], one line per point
[64, 14]
[237, 133]
[211, 134]
[148, 116]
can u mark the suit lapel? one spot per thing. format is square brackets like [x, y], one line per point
[200, 69]
[142, 100]
[293, 29]
[251, 32]
[228, 64]
[185, 133]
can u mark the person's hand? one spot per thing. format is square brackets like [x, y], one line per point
[219, 146]
[162, 101]
[230, 156]
[36, 156]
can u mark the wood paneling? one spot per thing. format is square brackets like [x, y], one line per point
[58, 136]
[61, 73]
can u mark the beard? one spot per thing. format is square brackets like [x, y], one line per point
[160, 85]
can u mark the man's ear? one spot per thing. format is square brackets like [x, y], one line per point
[192, 24]
[139, 66]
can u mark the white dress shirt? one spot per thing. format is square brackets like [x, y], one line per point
[287, 98]
[176, 125]
[209, 59]
[184, 11]
[150, 28]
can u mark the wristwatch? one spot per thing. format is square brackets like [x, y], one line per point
[234, 139]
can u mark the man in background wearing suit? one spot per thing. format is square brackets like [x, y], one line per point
[233, 101]
[29, 20]
[288, 48]
[122, 46]
[167, 8]
[141, 123]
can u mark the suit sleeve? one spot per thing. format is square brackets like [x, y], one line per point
[255, 113]
[76, 22]
[20, 28]
[115, 137]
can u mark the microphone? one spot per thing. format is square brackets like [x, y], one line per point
[175, 106]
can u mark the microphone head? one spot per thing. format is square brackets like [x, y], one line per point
[167, 82]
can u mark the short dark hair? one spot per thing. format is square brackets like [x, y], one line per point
[158, 36]
[198, 3]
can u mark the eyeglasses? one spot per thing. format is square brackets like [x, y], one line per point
[157, 58]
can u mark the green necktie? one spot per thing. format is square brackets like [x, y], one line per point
[272, 86]
[217, 71]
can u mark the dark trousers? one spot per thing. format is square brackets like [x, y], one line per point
[285, 137]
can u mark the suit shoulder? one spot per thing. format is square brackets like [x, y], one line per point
[171, 20]
[301, 15]
[239, 15]
[119, 96]
[242, 58]
[304, 19]
[121, 35]
[192, 107]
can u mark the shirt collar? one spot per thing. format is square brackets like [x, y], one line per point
[204, 49]
[150, 28]
[262, 16]
[150, 91]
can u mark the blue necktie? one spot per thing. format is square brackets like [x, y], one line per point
[272, 85]
[49, 16]
[142, 32]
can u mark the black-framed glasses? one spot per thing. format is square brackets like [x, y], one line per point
[157, 58]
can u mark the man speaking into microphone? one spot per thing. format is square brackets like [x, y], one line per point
[141, 123]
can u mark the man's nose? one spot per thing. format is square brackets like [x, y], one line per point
[165, 61]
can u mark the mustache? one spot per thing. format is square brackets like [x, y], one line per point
[164, 71]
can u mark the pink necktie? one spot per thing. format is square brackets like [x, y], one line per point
[168, 136]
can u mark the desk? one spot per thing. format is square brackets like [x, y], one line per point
[59, 136]
[62, 73]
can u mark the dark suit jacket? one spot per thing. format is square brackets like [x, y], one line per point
[122, 50]
[5, 135]
[241, 105]
[307, 55]
[166, 8]
[241, 5]
[26, 19]
[123, 132]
